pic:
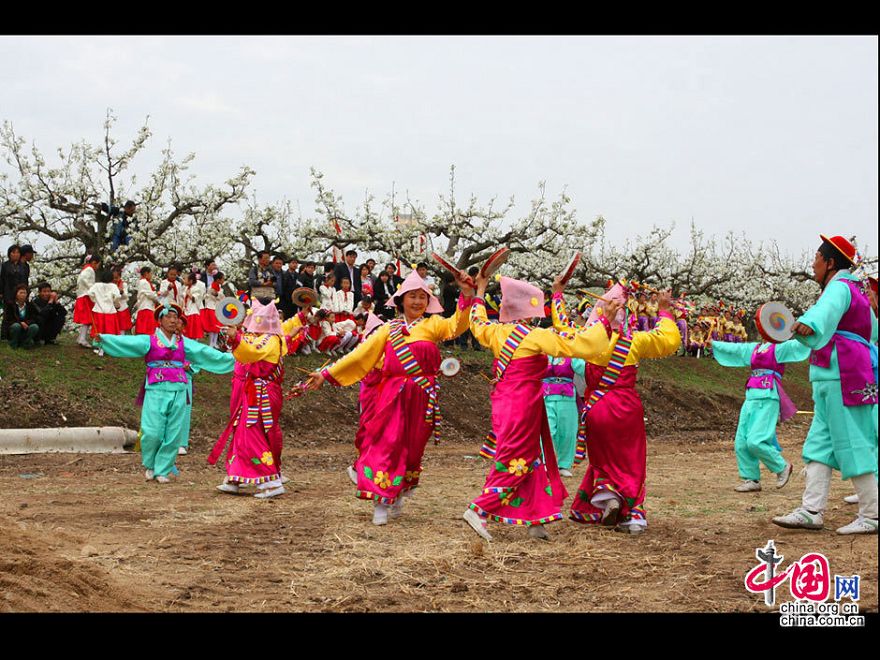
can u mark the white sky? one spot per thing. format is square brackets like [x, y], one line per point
[774, 136]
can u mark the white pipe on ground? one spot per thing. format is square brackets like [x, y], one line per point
[75, 440]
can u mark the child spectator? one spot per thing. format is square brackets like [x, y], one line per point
[343, 301]
[123, 314]
[346, 330]
[170, 290]
[82, 309]
[147, 301]
[105, 299]
[328, 342]
[193, 294]
[213, 294]
[327, 290]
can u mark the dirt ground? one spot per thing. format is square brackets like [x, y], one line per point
[87, 533]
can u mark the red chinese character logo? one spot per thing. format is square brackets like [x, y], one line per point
[810, 578]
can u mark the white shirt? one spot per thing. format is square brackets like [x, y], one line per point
[326, 330]
[84, 281]
[326, 293]
[105, 297]
[146, 296]
[123, 296]
[343, 301]
[212, 297]
[193, 296]
[341, 327]
[167, 294]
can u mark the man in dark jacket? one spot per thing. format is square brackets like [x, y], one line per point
[261, 274]
[396, 280]
[289, 283]
[50, 313]
[207, 275]
[349, 271]
[307, 275]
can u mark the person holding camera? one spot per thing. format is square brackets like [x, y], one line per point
[50, 313]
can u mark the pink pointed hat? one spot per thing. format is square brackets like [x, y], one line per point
[414, 282]
[372, 323]
[520, 301]
[263, 319]
[618, 293]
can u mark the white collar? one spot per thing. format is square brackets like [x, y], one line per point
[164, 340]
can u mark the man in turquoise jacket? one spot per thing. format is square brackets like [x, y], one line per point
[842, 331]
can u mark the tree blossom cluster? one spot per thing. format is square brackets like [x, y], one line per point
[58, 207]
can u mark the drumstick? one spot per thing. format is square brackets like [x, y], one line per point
[486, 377]
[596, 296]
[804, 412]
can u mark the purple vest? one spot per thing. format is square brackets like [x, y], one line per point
[853, 358]
[558, 379]
[764, 360]
[165, 365]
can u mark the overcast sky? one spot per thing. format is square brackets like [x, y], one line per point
[774, 136]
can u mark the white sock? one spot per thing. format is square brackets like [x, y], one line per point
[818, 483]
[866, 487]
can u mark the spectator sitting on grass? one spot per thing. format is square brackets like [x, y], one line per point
[24, 328]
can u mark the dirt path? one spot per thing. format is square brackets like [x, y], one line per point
[88, 534]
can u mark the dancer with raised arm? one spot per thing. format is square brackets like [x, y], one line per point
[613, 489]
[406, 412]
[523, 486]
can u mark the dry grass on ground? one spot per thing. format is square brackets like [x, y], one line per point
[86, 533]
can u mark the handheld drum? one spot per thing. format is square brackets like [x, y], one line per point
[440, 259]
[450, 366]
[230, 311]
[774, 322]
[566, 274]
[494, 262]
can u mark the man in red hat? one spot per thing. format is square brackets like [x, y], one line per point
[842, 332]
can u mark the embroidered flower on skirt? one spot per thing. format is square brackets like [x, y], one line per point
[382, 480]
[518, 466]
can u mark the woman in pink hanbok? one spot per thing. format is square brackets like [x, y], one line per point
[254, 456]
[613, 489]
[406, 404]
[366, 396]
[523, 486]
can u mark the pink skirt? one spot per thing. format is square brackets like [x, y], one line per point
[523, 486]
[367, 403]
[616, 449]
[254, 455]
[82, 310]
[395, 435]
